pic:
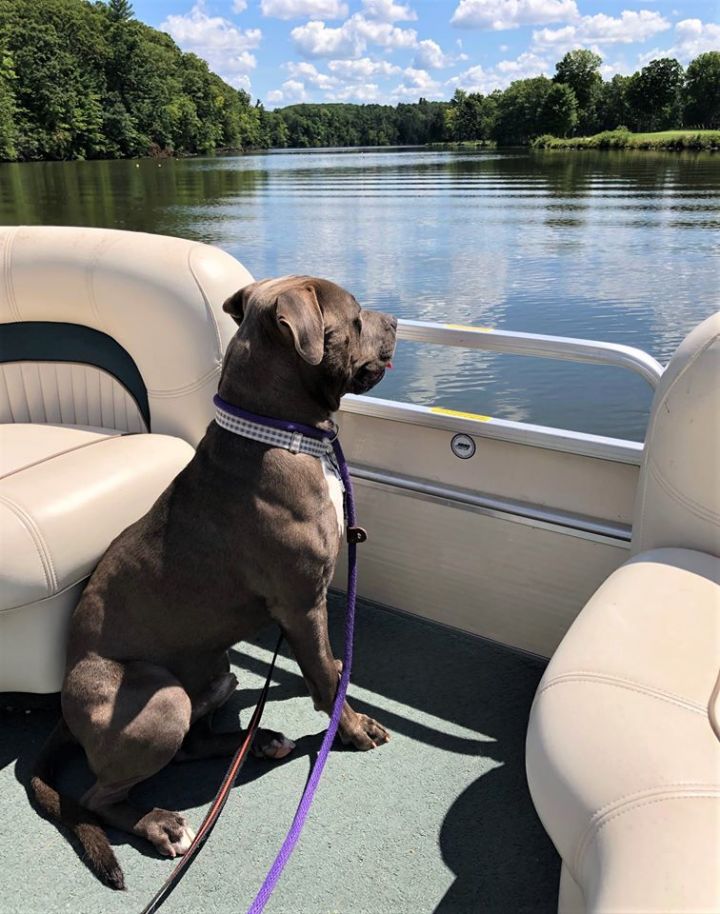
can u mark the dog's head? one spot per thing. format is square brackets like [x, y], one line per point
[314, 331]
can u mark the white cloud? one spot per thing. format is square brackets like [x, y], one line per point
[416, 83]
[239, 81]
[299, 9]
[619, 67]
[239, 6]
[384, 34]
[430, 56]
[509, 14]
[310, 74]
[692, 37]
[358, 92]
[223, 45]
[292, 92]
[419, 79]
[388, 11]
[315, 39]
[479, 79]
[363, 68]
[601, 29]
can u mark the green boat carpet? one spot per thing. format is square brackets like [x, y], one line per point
[438, 820]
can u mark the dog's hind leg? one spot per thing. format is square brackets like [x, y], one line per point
[168, 831]
[131, 725]
[217, 693]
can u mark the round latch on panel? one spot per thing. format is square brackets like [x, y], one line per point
[462, 446]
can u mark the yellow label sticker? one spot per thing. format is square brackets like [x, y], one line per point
[441, 411]
[471, 329]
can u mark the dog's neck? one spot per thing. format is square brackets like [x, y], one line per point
[269, 388]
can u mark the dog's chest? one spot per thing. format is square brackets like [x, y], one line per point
[336, 491]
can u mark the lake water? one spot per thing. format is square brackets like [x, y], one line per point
[623, 247]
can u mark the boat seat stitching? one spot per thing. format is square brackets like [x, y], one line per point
[40, 544]
[626, 799]
[7, 269]
[69, 450]
[630, 684]
[709, 793]
[643, 492]
[36, 603]
[208, 309]
[689, 504]
[188, 388]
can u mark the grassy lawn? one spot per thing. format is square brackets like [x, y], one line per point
[624, 139]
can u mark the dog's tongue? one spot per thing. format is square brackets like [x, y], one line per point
[389, 365]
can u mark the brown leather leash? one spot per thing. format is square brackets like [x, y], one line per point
[221, 797]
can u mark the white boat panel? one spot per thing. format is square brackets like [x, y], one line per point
[514, 583]
[555, 439]
[505, 509]
[557, 481]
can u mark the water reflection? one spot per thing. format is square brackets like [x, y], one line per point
[617, 246]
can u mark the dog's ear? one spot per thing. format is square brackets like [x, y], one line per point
[235, 305]
[297, 311]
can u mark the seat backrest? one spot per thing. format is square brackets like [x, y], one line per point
[678, 501]
[118, 329]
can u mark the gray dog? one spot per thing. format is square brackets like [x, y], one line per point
[245, 535]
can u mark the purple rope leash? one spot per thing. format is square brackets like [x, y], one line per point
[266, 889]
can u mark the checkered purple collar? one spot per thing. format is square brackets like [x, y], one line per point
[294, 437]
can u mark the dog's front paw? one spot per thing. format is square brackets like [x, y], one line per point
[364, 733]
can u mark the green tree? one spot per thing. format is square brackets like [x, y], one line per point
[7, 96]
[559, 111]
[120, 10]
[613, 106]
[580, 70]
[655, 95]
[519, 111]
[702, 91]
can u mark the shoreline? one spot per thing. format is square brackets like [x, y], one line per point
[609, 140]
[661, 141]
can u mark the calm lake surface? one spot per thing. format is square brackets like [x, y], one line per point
[616, 246]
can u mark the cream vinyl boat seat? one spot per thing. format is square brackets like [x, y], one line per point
[623, 747]
[111, 346]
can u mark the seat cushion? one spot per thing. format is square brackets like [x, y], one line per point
[622, 757]
[65, 494]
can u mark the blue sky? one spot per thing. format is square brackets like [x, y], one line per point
[288, 51]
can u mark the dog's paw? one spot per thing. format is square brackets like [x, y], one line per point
[271, 744]
[168, 831]
[364, 733]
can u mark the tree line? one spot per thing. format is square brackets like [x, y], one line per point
[82, 80]
[86, 80]
[578, 102]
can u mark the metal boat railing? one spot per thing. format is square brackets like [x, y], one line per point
[515, 343]
[533, 344]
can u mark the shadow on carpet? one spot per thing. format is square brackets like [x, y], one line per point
[439, 820]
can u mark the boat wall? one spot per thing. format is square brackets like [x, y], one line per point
[508, 544]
